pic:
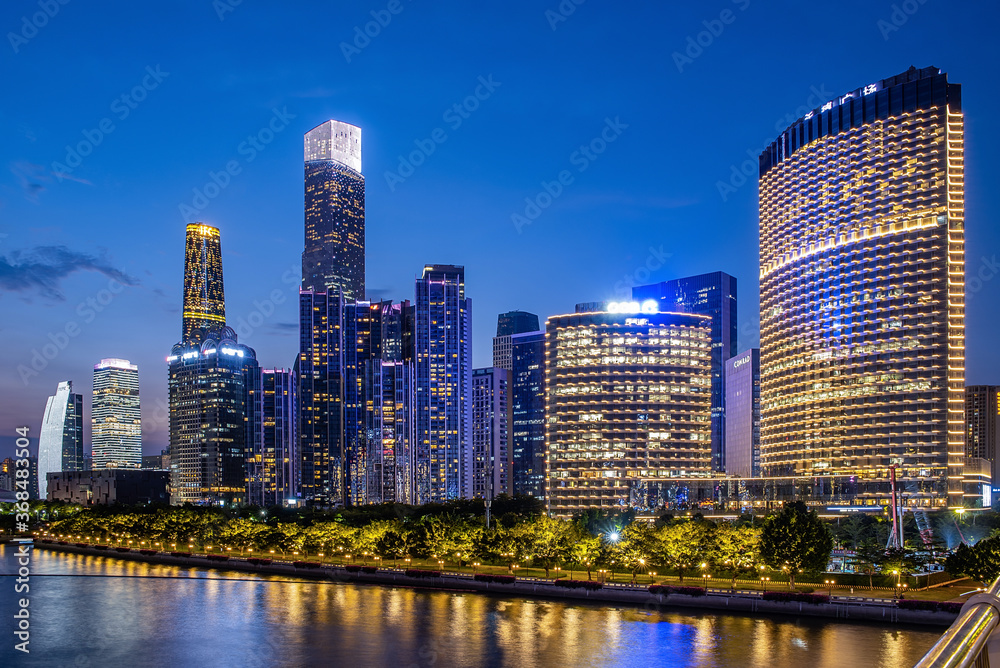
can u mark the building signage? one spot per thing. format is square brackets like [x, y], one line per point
[741, 361]
[648, 306]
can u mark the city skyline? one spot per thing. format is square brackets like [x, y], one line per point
[267, 189]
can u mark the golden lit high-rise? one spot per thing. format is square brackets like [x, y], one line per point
[204, 297]
[862, 308]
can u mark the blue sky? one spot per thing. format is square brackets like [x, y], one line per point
[675, 95]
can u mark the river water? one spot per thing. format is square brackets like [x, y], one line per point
[100, 611]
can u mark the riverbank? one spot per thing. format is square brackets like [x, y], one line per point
[744, 602]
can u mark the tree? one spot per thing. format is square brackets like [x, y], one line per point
[680, 546]
[737, 549]
[585, 551]
[795, 539]
[636, 546]
[981, 561]
[547, 541]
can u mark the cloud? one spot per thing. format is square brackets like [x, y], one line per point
[44, 267]
[33, 178]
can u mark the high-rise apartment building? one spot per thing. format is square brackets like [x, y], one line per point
[60, 440]
[862, 302]
[509, 324]
[390, 426]
[204, 297]
[743, 414]
[491, 456]
[527, 425]
[713, 295]
[334, 255]
[628, 407]
[981, 423]
[115, 418]
[443, 359]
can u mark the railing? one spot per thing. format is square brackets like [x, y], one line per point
[964, 643]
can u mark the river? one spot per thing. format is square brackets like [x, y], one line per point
[99, 611]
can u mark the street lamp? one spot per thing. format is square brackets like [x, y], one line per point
[829, 584]
[763, 582]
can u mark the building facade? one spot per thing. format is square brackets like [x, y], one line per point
[334, 254]
[862, 268]
[491, 455]
[109, 486]
[60, 440]
[390, 429]
[443, 362]
[204, 294]
[713, 295]
[743, 414]
[628, 408]
[115, 416]
[272, 461]
[981, 410]
[527, 426]
[509, 324]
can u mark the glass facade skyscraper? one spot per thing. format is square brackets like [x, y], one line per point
[743, 414]
[204, 296]
[115, 418]
[60, 440]
[443, 358]
[982, 410]
[508, 324]
[628, 409]
[491, 460]
[272, 462]
[527, 430]
[713, 295]
[862, 267]
[334, 255]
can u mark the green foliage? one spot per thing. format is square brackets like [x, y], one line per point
[981, 561]
[795, 540]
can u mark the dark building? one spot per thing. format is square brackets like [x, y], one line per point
[105, 487]
[713, 295]
[204, 296]
[862, 297]
[743, 414]
[508, 324]
[527, 430]
[334, 255]
[981, 409]
[443, 360]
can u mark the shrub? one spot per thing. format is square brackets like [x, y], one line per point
[122, 549]
[218, 557]
[100, 547]
[917, 605]
[683, 591]
[419, 573]
[499, 579]
[180, 554]
[579, 584]
[257, 561]
[80, 544]
[62, 542]
[791, 597]
[147, 552]
[306, 564]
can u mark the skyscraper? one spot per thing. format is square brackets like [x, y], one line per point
[713, 295]
[743, 414]
[443, 360]
[60, 440]
[390, 424]
[115, 418]
[272, 461]
[508, 324]
[334, 255]
[628, 407]
[981, 412]
[527, 427]
[491, 456]
[210, 376]
[204, 297]
[862, 299]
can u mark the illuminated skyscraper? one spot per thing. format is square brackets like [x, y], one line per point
[862, 297]
[713, 295]
[982, 410]
[115, 420]
[272, 461]
[491, 457]
[743, 414]
[443, 359]
[527, 426]
[334, 255]
[204, 297]
[628, 409]
[509, 324]
[60, 440]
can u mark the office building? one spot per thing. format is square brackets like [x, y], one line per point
[862, 296]
[491, 456]
[60, 440]
[509, 324]
[527, 426]
[272, 461]
[390, 428]
[115, 420]
[981, 409]
[628, 407]
[105, 487]
[204, 296]
[743, 414]
[713, 295]
[334, 255]
[443, 360]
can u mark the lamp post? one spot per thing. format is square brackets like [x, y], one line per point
[763, 582]
[829, 584]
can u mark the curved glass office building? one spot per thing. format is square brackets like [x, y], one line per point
[862, 268]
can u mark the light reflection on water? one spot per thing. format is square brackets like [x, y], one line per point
[186, 620]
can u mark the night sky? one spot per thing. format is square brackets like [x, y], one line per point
[116, 116]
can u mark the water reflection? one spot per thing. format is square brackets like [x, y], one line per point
[180, 617]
